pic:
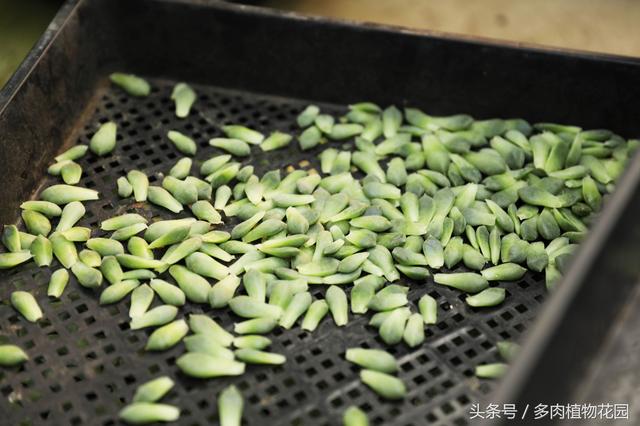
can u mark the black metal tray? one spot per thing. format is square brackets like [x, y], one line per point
[260, 68]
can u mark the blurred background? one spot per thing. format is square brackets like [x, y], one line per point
[597, 25]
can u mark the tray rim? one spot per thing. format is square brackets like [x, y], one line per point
[68, 8]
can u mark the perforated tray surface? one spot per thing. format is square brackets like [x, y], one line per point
[86, 363]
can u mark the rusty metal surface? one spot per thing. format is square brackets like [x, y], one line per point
[41, 103]
[613, 375]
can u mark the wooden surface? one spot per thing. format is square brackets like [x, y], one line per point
[599, 25]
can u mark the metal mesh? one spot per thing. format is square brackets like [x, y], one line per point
[86, 363]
